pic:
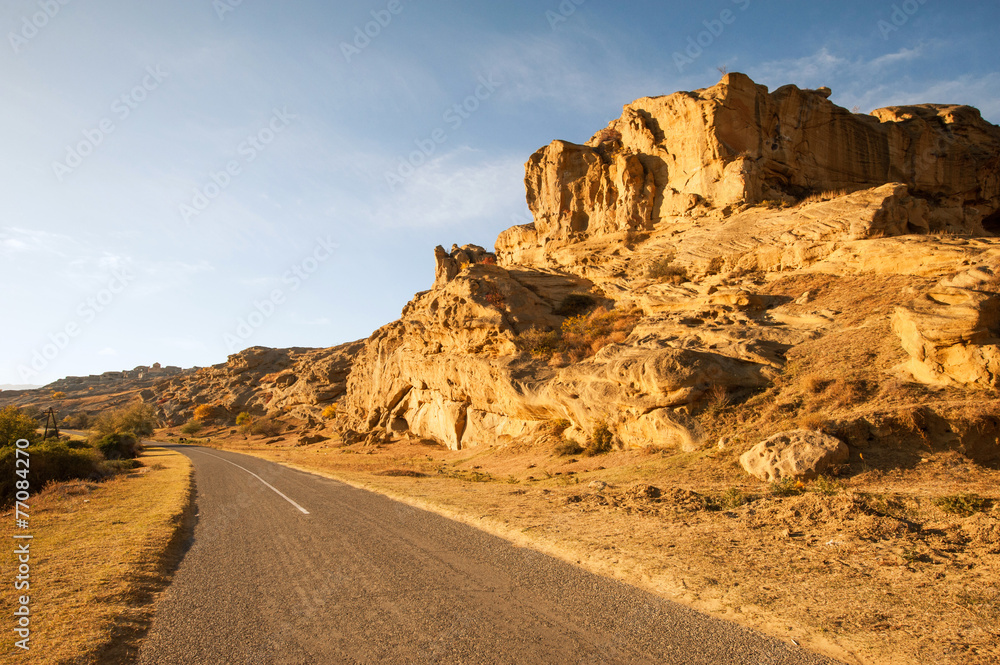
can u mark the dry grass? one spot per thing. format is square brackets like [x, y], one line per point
[100, 553]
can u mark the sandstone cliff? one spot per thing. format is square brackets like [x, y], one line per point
[657, 282]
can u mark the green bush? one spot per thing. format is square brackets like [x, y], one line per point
[16, 425]
[600, 440]
[243, 418]
[567, 447]
[192, 426]
[51, 461]
[116, 466]
[118, 446]
[137, 419]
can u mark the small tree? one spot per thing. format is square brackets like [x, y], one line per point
[137, 419]
[15, 425]
[204, 412]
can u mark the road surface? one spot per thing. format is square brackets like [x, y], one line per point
[288, 567]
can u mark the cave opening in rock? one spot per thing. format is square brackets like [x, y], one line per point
[991, 223]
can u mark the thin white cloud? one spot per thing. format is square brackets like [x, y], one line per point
[453, 188]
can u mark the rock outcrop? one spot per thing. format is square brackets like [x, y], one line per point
[294, 382]
[737, 144]
[669, 224]
[952, 332]
[799, 454]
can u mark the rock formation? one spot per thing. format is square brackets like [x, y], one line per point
[672, 223]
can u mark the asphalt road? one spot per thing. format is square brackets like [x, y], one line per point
[288, 567]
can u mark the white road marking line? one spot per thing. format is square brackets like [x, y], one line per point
[276, 490]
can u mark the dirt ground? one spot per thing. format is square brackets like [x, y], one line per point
[873, 567]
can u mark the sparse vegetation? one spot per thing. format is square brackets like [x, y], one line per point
[787, 487]
[58, 394]
[664, 270]
[78, 420]
[243, 418]
[962, 504]
[329, 413]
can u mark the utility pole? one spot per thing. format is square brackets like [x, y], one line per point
[50, 415]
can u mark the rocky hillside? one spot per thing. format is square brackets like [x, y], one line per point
[713, 267]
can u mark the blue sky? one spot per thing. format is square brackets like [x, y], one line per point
[182, 180]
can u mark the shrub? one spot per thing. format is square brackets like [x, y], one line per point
[79, 420]
[58, 395]
[205, 413]
[118, 446]
[243, 418]
[539, 343]
[566, 447]
[137, 419]
[489, 260]
[192, 426]
[601, 439]
[664, 270]
[330, 412]
[51, 460]
[265, 427]
[15, 425]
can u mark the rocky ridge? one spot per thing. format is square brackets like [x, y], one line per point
[683, 215]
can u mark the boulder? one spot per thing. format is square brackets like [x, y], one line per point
[797, 453]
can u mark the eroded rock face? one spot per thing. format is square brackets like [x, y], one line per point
[802, 454]
[736, 143]
[293, 382]
[952, 332]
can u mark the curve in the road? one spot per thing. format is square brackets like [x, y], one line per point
[289, 567]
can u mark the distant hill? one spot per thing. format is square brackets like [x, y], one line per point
[10, 386]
